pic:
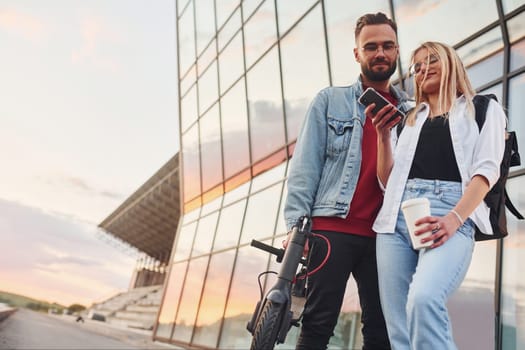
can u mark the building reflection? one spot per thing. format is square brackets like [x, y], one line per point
[247, 73]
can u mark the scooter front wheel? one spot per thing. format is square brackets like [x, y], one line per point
[267, 329]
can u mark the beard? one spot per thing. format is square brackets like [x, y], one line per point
[383, 75]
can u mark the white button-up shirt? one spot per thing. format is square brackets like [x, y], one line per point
[478, 152]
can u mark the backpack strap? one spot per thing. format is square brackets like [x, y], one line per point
[481, 103]
[510, 206]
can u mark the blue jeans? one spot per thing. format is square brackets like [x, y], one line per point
[414, 285]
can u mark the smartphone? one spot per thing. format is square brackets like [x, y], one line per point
[372, 96]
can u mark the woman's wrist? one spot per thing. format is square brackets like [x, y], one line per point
[458, 217]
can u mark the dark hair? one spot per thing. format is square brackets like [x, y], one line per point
[373, 18]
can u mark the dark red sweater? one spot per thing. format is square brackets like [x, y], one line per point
[368, 196]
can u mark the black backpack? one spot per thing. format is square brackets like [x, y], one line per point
[497, 198]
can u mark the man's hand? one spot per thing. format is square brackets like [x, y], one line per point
[306, 244]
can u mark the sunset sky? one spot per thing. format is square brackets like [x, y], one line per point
[88, 112]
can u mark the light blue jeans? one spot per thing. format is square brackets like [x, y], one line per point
[414, 285]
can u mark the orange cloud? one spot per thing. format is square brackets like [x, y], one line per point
[23, 24]
[95, 34]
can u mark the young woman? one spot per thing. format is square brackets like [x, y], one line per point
[442, 155]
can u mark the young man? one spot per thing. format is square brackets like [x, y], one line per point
[333, 179]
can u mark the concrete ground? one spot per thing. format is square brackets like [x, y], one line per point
[26, 329]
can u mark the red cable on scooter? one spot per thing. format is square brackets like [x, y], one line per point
[328, 250]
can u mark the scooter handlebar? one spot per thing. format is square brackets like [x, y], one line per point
[268, 248]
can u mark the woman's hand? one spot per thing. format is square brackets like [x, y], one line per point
[441, 227]
[381, 120]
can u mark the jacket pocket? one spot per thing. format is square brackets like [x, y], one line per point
[339, 134]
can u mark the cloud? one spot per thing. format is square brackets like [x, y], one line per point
[67, 260]
[82, 186]
[47, 256]
[29, 27]
[95, 36]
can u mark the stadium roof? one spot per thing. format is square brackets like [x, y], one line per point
[148, 219]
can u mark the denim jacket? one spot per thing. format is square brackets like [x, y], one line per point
[326, 162]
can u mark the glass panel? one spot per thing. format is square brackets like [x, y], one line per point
[205, 18]
[302, 49]
[248, 6]
[289, 12]
[266, 108]
[515, 111]
[243, 296]
[231, 64]
[230, 28]
[238, 193]
[509, 5]
[224, 10]
[181, 4]
[341, 16]
[237, 180]
[481, 47]
[190, 299]
[229, 226]
[188, 108]
[171, 300]
[188, 81]
[513, 284]
[471, 307]
[268, 178]
[184, 242]
[214, 299]
[516, 29]
[260, 33]
[211, 206]
[481, 68]
[206, 58]
[213, 194]
[517, 55]
[261, 214]
[186, 40]
[486, 71]
[210, 129]
[235, 130]
[281, 223]
[190, 162]
[269, 162]
[205, 234]
[417, 21]
[208, 89]
[190, 216]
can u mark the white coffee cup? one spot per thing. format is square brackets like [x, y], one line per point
[414, 209]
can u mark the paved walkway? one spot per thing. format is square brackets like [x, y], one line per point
[27, 329]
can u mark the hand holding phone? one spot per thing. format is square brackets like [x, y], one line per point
[372, 96]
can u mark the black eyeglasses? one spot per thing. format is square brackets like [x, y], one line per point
[373, 48]
[415, 68]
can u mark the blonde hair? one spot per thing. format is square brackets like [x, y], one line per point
[454, 80]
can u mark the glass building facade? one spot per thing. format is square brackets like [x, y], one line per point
[247, 73]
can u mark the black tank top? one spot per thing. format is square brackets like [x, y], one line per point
[435, 158]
